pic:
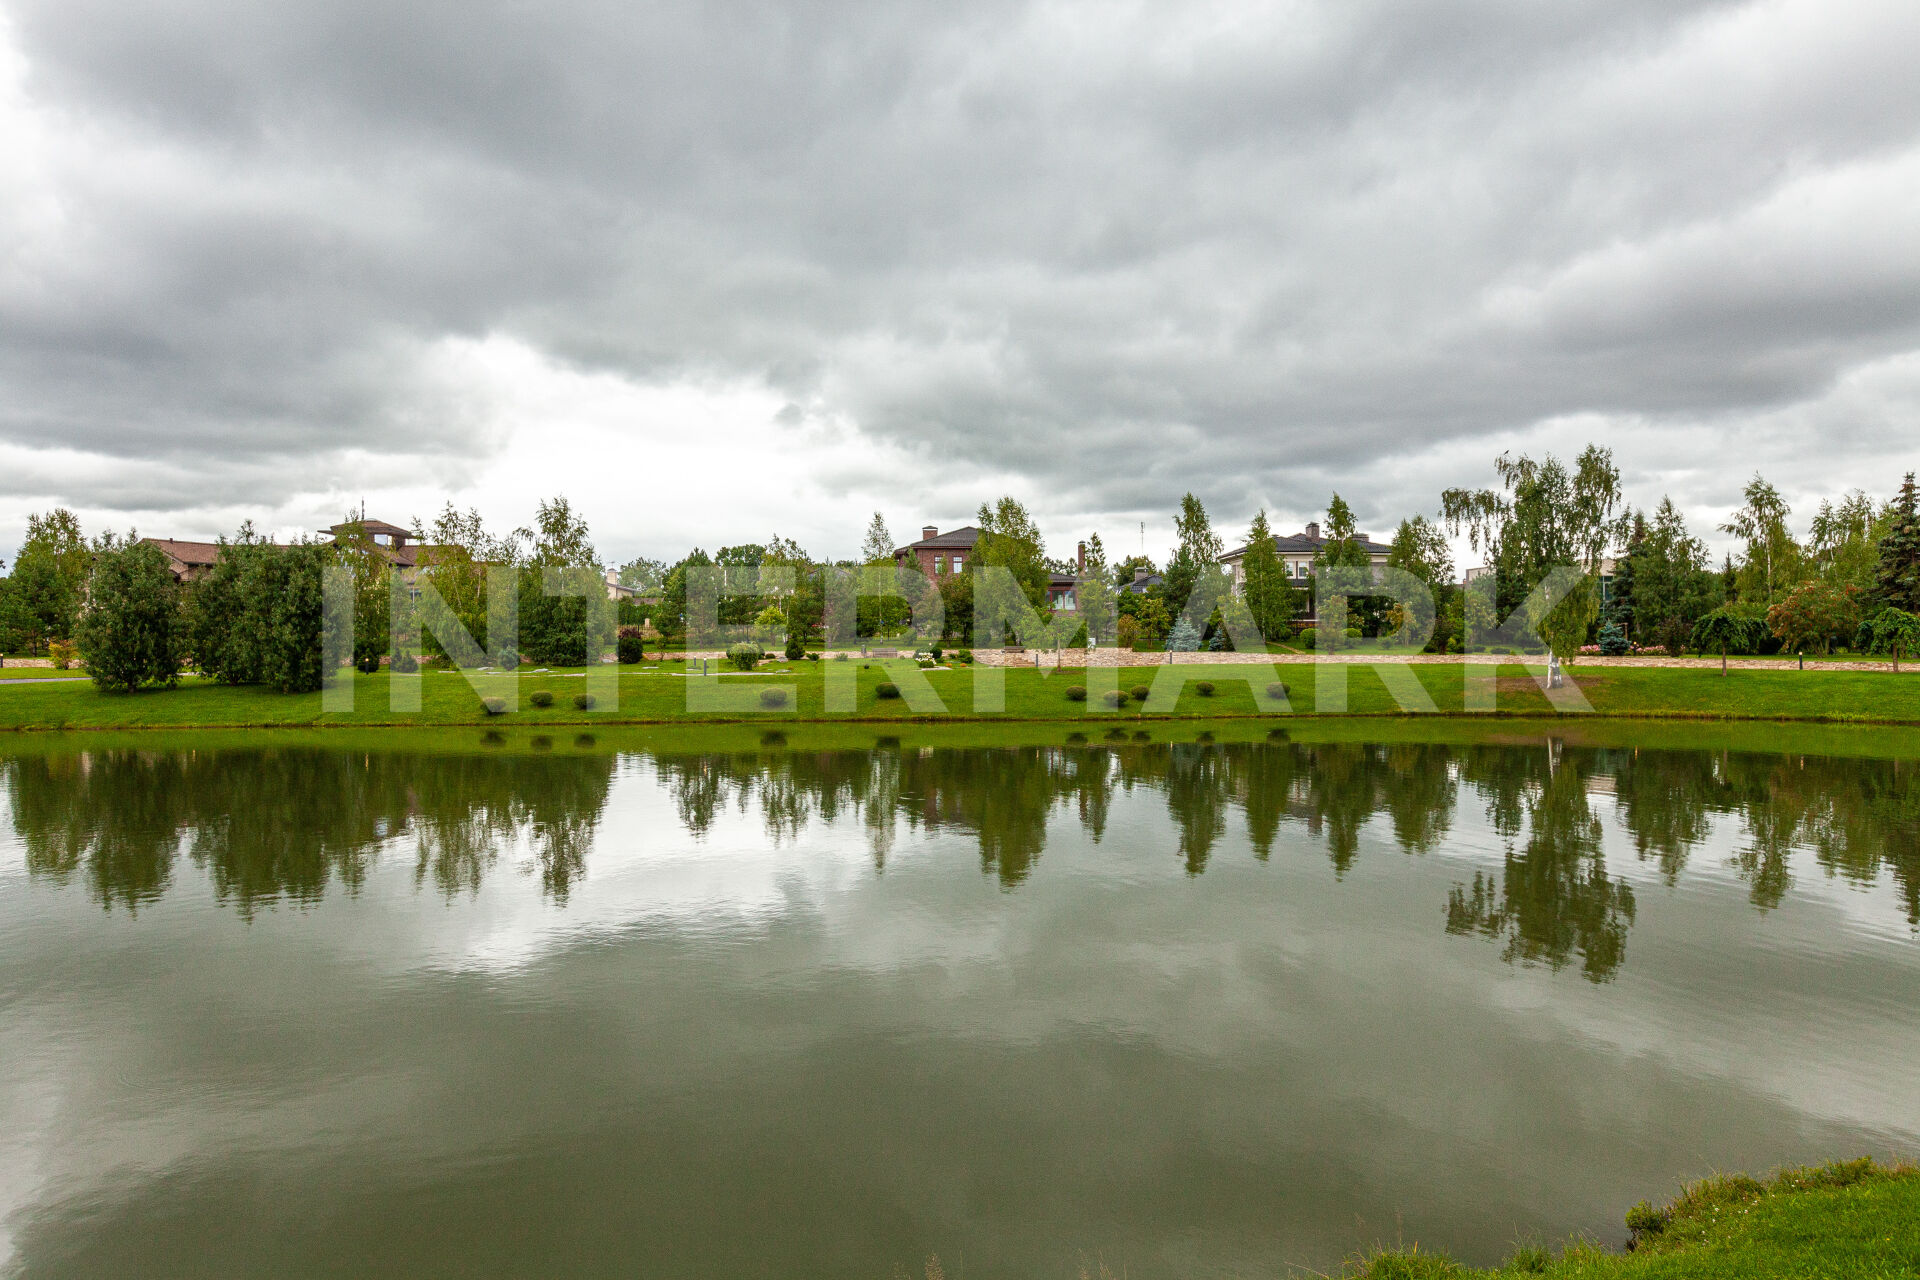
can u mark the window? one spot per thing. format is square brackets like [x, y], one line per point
[958, 563]
[939, 564]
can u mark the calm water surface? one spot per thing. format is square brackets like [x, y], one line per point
[1195, 1010]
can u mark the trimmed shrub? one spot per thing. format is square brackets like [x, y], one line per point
[1277, 689]
[1309, 637]
[964, 655]
[1613, 641]
[1203, 687]
[506, 660]
[494, 706]
[61, 653]
[886, 689]
[813, 657]
[935, 652]
[368, 663]
[795, 650]
[1076, 693]
[584, 701]
[1114, 698]
[1139, 692]
[404, 663]
[743, 657]
[541, 699]
[775, 698]
[842, 657]
[630, 647]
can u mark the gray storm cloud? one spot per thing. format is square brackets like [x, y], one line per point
[1116, 251]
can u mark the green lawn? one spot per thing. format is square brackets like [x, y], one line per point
[662, 696]
[1854, 1221]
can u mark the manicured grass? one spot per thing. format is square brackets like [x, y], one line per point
[1853, 1220]
[41, 673]
[662, 696]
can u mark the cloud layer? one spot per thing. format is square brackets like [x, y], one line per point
[267, 260]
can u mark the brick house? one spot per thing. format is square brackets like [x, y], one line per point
[941, 555]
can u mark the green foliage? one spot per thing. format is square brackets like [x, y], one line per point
[1076, 693]
[494, 706]
[1773, 558]
[886, 690]
[743, 657]
[1277, 690]
[1728, 629]
[1544, 517]
[642, 575]
[49, 578]
[584, 702]
[1184, 637]
[1896, 574]
[1613, 641]
[131, 633]
[293, 607]
[1139, 692]
[630, 647]
[541, 699]
[773, 698]
[1267, 589]
[1095, 595]
[1199, 549]
[1891, 631]
[1204, 688]
[796, 651]
[1010, 540]
[878, 546]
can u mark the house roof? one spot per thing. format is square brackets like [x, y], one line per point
[187, 553]
[372, 527]
[952, 540]
[1139, 585]
[1299, 544]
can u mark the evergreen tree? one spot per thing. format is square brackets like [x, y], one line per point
[1896, 577]
[49, 577]
[1094, 594]
[1184, 637]
[1198, 552]
[1268, 591]
[131, 633]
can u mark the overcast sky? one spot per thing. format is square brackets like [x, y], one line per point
[716, 271]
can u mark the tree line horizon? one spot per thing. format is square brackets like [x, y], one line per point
[257, 617]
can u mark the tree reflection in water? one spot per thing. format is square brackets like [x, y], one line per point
[285, 824]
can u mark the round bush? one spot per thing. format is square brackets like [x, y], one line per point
[405, 663]
[840, 657]
[1204, 688]
[773, 697]
[813, 657]
[1114, 698]
[584, 701]
[541, 699]
[1139, 692]
[886, 689]
[965, 655]
[1277, 689]
[494, 706]
[744, 657]
[368, 663]
[1076, 693]
[795, 650]
[630, 648]
[935, 652]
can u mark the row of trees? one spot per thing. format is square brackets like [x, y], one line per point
[256, 618]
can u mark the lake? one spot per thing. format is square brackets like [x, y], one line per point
[501, 1004]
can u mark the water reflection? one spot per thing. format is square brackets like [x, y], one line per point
[290, 824]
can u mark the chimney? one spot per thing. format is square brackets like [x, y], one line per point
[1139, 573]
[929, 531]
[1083, 559]
[1313, 530]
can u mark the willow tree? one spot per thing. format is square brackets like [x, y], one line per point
[1544, 517]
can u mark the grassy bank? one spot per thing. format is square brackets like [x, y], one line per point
[1854, 1220]
[662, 696]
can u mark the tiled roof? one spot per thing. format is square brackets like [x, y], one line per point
[188, 553]
[953, 539]
[1299, 544]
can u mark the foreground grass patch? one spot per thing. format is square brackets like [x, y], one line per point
[1852, 1219]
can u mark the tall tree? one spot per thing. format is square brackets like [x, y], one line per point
[563, 599]
[1670, 582]
[1094, 593]
[1543, 518]
[1342, 549]
[878, 548]
[1842, 542]
[642, 575]
[1771, 563]
[1419, 548]
[1267, 589]
[50, 576]
[1123, 572]
[130, 632]
[1198, 551]
[1896, 575]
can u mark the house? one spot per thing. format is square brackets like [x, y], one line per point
[1296, 552]
[941, 555]
[187, 561]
